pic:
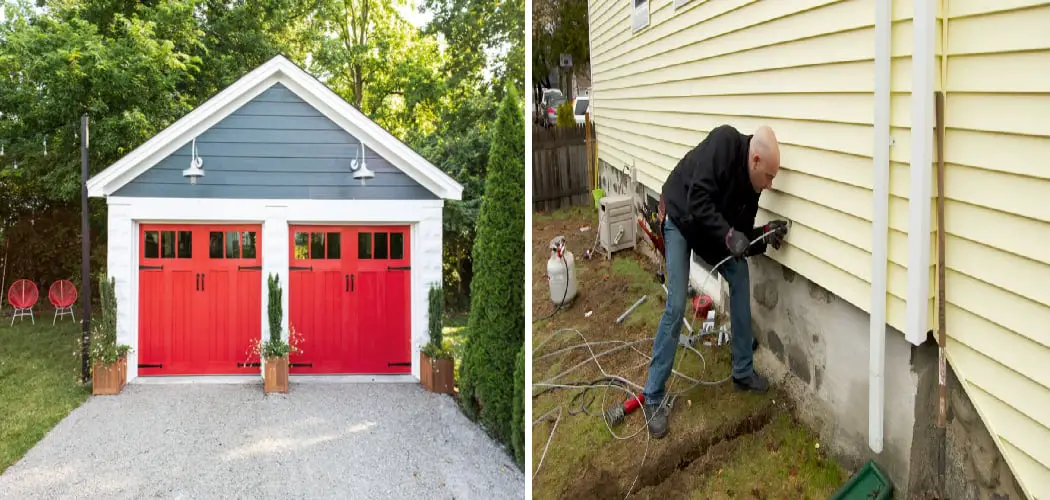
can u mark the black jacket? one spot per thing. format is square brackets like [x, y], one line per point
[709, 191]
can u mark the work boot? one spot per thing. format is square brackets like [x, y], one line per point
[753, 383]
[656, 415]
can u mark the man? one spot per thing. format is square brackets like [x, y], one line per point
[711, 198]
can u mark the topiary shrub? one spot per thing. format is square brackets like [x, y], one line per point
[275, 346]
[435, 349]
[104, 347]
[518, 427]
[496, 326]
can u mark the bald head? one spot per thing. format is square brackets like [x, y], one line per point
[763, 160]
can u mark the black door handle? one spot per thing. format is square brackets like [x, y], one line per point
[198, 282]
[202, 282]
[351, 282]
[346, 277]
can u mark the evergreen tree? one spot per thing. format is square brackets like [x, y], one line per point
[496, 326]
[518, 429]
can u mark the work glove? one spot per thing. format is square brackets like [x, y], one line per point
[737, 243]
[779, 229]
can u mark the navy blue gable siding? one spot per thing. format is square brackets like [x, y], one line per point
[275, 147]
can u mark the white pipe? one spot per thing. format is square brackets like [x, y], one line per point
[919, 240]
[880, 226]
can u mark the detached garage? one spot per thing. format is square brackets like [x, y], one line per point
[274, 175]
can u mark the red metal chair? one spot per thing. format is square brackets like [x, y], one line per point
[62, 294]
[23, 296]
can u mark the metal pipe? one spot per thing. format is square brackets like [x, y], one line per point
[942, 404]
[85, 258]
[632, 308]
[880, 226]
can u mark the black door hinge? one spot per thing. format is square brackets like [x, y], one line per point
[399, 364]
[304, 365]
[151, 268]
[398, 268]
[248, 365]
[249, 268]
[146, 365]
[301, 268]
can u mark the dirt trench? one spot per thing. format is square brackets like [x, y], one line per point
[659, 477]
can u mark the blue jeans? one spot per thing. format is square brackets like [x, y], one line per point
[665, 345]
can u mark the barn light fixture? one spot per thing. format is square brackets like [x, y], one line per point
[358, 167]
[196, 163]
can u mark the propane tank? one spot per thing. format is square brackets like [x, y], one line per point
[561, 273]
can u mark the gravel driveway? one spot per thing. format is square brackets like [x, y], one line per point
[321, 440]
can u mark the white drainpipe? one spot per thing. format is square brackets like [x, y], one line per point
[880, 225]
[919, 240]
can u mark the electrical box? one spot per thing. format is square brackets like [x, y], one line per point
[617, 231]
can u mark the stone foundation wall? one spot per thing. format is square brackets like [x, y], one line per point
[974, 467]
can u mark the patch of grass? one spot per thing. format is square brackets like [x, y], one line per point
[576, 213]
[38, 382]
[780, 461]
[454, 338]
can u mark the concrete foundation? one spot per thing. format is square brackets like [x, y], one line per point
[816, 347]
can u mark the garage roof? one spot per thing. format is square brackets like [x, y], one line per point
[276, 70]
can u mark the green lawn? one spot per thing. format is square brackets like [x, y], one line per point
[454, 335]
[38, 381]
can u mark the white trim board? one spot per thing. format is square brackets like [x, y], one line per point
[276, 70]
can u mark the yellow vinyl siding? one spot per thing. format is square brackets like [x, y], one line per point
[997, 223]
[804, 67]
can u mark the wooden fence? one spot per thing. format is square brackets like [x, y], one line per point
[561, 173]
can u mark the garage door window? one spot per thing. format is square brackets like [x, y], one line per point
[318, 245]
[380, 245]
[232, 245]
[164, 245]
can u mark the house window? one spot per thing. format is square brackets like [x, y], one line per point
[640, 14]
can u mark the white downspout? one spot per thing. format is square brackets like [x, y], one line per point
[880, 225]
[919, 240]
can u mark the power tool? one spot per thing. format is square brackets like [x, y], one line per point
[616, 414]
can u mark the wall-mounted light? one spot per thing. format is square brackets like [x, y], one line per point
[358, 167]
[196, 163]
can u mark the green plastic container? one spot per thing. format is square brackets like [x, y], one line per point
[597, 193]
[869, 483]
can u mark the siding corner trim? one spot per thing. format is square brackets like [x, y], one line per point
[919, 240]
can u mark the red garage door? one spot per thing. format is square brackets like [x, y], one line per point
[349, 299]
[200, 299]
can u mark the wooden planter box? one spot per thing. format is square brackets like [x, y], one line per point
[109, 379]
[437, 375]
[275, 375]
